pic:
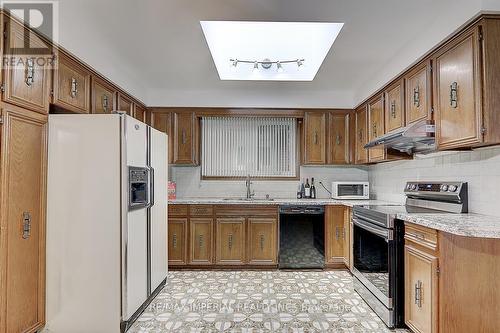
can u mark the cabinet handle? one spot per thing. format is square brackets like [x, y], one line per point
[262, 242]
[343, 233]
[360, 135]
[105, 103]
[74, 87]
[174, 241]
[315, 137]
[418, 293]
[30, 72]
[393, 109]
[183, 136]
[416, 96]
[230, 242]
[454, 95]
[337, 233]
[200, 241]
[337, 139]
[375, 130]
[26, 225]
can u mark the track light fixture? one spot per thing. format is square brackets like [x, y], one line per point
[267, 64]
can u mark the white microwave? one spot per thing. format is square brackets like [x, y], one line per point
[350, 190]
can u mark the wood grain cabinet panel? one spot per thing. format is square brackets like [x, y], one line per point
[346, 236]
[339, 152]
[361, 135]
[184, 137]
[71, 85]
[230, 241]
[23, 139]
[315, 137]
[177, 241]
[103, 96]
[201, 241]
[140, 113]
[262, 241]
[394, 99]
[418, 93]
[27, 84]
[125, 104]
[457, 92]
[334, 234]
[162, 121]
[376, 127]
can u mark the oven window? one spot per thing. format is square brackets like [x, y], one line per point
[351, 190]
[371, 258]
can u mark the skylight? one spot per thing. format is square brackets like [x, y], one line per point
[269, 51]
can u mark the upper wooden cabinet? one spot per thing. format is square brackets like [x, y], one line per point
[315, 137]
[394, 106]
[28, 83]
[376, 127]
[185, 138]
[418, 93]
[361, 135]
[140, 113]
[125, 104]
[71, 85]
[103, 96]
[339, 138]
[162, 121]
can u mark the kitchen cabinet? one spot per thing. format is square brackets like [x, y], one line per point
[28, 84]
[334, 235]
[140, 113]
[185, 141]
[262, 241]
[162, 121]
[177, 241]
[376, 127]
[394, 99]
[339, 139]
[361, 135]
[71, 85]
[230, 244]
[103, 96]
[418, 93]
[125, 104]
[315, 137]
[23, 171]
[201, 241]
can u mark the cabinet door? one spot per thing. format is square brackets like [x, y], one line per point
[361, 136]
[230, 241]
[23, 163]
[376, 127]
[457, 92]
[334, 226]
[162, 121]
[103, 97]
[394, 99]
[71, 86]
[201, 241]
[28, 83]
[125, 104]
[346, 236]
[262, 241]
[140, 113]
[184, 138]
[421, 288]
[339, 139]
[177, 245]
[315, 138]
[418, 93]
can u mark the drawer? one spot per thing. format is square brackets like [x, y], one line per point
[246, 210]
[177, 210]
[201, 210]
[423, 236]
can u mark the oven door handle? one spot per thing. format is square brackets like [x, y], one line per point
[386, 234]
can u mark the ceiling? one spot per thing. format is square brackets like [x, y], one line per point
[156, 49]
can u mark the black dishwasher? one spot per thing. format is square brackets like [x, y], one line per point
[302, 237]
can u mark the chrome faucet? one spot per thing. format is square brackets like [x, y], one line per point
[250, 193]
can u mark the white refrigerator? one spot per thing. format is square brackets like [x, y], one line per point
[106, 221]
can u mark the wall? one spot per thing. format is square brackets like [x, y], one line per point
[480, 168]
[189, 183]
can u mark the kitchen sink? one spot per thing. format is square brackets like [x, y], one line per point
[245, 199]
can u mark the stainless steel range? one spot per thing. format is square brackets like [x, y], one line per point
[378, 244]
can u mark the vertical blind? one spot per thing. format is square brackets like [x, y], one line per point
[255, 146]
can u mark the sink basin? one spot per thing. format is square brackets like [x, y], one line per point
[245, 199]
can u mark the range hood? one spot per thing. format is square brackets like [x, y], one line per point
[414, 138]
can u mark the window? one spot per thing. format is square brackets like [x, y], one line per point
[255, 146]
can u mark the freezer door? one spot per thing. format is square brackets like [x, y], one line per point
[134, 247]
[158, 229]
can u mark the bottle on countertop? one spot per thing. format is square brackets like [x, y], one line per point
[299, 192]
[307, 189]
[313, 189]
[302, 190]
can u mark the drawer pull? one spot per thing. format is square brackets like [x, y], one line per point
[454, 95]
[200, 241]
[230, 242]
[418, 293]
[262, 242]
[416, 96]
[174, 241]
[337, 140]
[105, 103]
[393, 109]
[30, 72]
[74, 87]
[316, 137]
[26, 225]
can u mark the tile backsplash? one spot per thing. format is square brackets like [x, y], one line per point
[480, 168]
[189, 183]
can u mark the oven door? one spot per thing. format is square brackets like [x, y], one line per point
[373, 251]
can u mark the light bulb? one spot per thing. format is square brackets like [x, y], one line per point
[279, 68]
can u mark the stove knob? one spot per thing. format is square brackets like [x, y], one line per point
[452, 188]
[444, 187]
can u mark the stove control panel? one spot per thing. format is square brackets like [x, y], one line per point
[434, 187]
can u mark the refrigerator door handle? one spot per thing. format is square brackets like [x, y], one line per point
[151, 187]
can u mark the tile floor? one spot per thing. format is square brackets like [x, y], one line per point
[258, 301]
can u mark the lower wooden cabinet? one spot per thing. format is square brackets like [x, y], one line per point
[262, 241]
[230, 244]
[201, 241]
[23, 170]
[177, 241]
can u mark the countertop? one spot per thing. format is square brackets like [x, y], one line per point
[468, 224]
